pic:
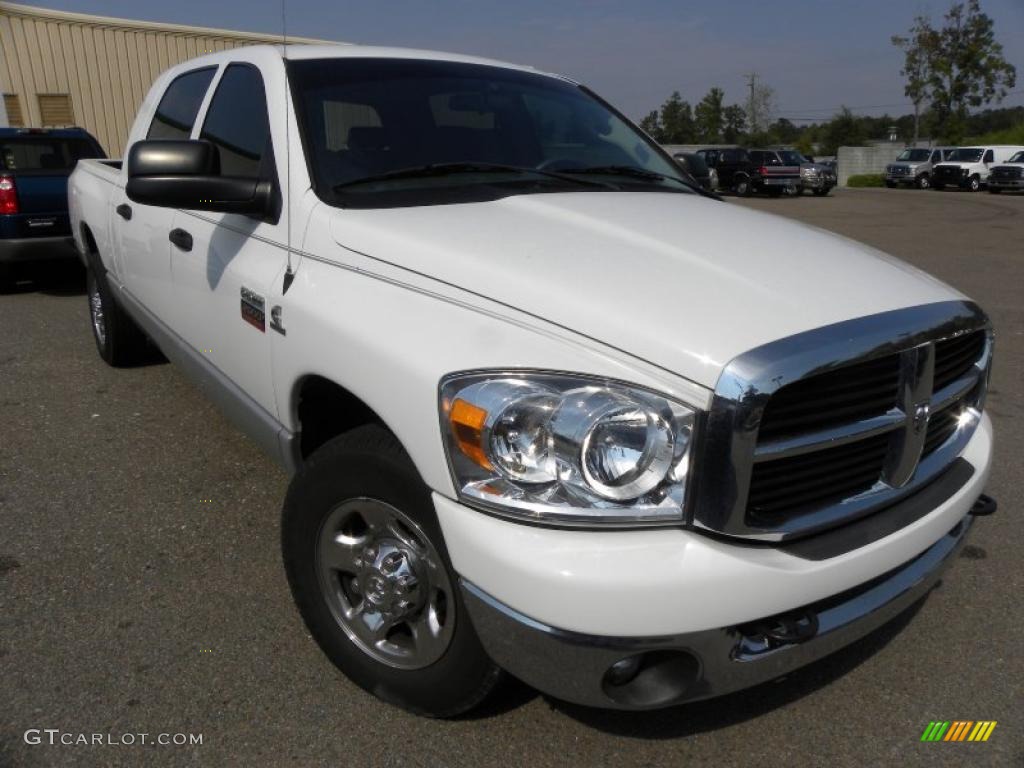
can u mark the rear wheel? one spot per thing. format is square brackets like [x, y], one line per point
[370, 574]
[6, 278]
[118, 339]
[923, 182]
[742, 187]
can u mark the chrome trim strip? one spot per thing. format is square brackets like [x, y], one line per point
[955, 390]
[266, 431]
[828, 438]
[571, 665]
[730, 448]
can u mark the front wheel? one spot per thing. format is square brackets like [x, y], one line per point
[974, 183]
[742, 187]
[823, 192]
[118, 339]
[923, 182]
[369, 572]
[938, 187]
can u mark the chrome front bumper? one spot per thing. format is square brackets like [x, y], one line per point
[675, 669]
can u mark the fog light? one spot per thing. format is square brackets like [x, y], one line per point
[622, 671]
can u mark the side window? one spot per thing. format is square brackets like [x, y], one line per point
[989, 157]
[180, 104]
[237, 122]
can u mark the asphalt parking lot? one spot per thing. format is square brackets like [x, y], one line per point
[141, 589]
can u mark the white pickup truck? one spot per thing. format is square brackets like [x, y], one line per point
[547, 408]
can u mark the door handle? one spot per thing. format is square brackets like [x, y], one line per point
[124, 211]
[181, 238]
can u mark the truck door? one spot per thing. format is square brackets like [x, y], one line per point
[143, 254]
[228, 268]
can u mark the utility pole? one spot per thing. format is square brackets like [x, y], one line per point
[752, 102]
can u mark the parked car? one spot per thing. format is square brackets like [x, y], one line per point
[547, 407]
[733, 168]
[776, 172]
[913, 166]
[969, 167]
[694, 164]
[820, 178]
[1008, 177]
[34, 167]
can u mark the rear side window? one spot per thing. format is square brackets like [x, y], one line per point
[42, 155]
[180, 104]
[237, 121]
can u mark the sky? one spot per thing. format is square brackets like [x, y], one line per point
[817, 55]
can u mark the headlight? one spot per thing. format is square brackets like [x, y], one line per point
[567, 450]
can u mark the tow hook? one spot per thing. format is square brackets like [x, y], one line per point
[985, 505]
[785, 629]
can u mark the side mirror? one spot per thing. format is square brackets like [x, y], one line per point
[186, 174]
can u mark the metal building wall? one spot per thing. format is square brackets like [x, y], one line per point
[105, 65]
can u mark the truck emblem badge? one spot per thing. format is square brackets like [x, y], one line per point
[921, 413]
[275, 320]
[253, 310]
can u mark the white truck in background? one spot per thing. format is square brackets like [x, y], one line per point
[969, 167]
[547, 408]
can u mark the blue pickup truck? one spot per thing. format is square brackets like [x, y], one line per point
[34, 167]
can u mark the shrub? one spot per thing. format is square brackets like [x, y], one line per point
[866, 180]
[1014, 135]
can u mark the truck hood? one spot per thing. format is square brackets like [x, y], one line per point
[680, 281]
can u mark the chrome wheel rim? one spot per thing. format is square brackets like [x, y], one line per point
[385, 584]
[99, 323]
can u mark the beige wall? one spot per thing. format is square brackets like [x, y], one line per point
[105, 65]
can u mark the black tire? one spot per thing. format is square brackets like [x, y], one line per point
[774, 192]
[924, 181]
[742, 187]
[890, 184]
[993, 191]
[822, 192]
[369, 462]
[938, 187]
[6, 278]
[974, 183]
[121, 343]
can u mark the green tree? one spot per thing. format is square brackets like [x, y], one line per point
[844, 130]
[651, 124]
[919, 48]
[957, 67]
[734, 121]
[676, 120]
[709, 117]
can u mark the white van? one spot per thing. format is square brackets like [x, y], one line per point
[969, 167]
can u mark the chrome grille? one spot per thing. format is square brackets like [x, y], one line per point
[836, 423]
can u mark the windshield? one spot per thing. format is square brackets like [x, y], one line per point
[694, 163]
[966, 155]
[44, 155]
[1017, 158]
[915, 155]
[473, 130]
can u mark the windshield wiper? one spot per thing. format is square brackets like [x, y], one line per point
[448, 169]
[640, 173]
[622, 170]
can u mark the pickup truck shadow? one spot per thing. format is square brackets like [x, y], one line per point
[712, 714]
[53, 279]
